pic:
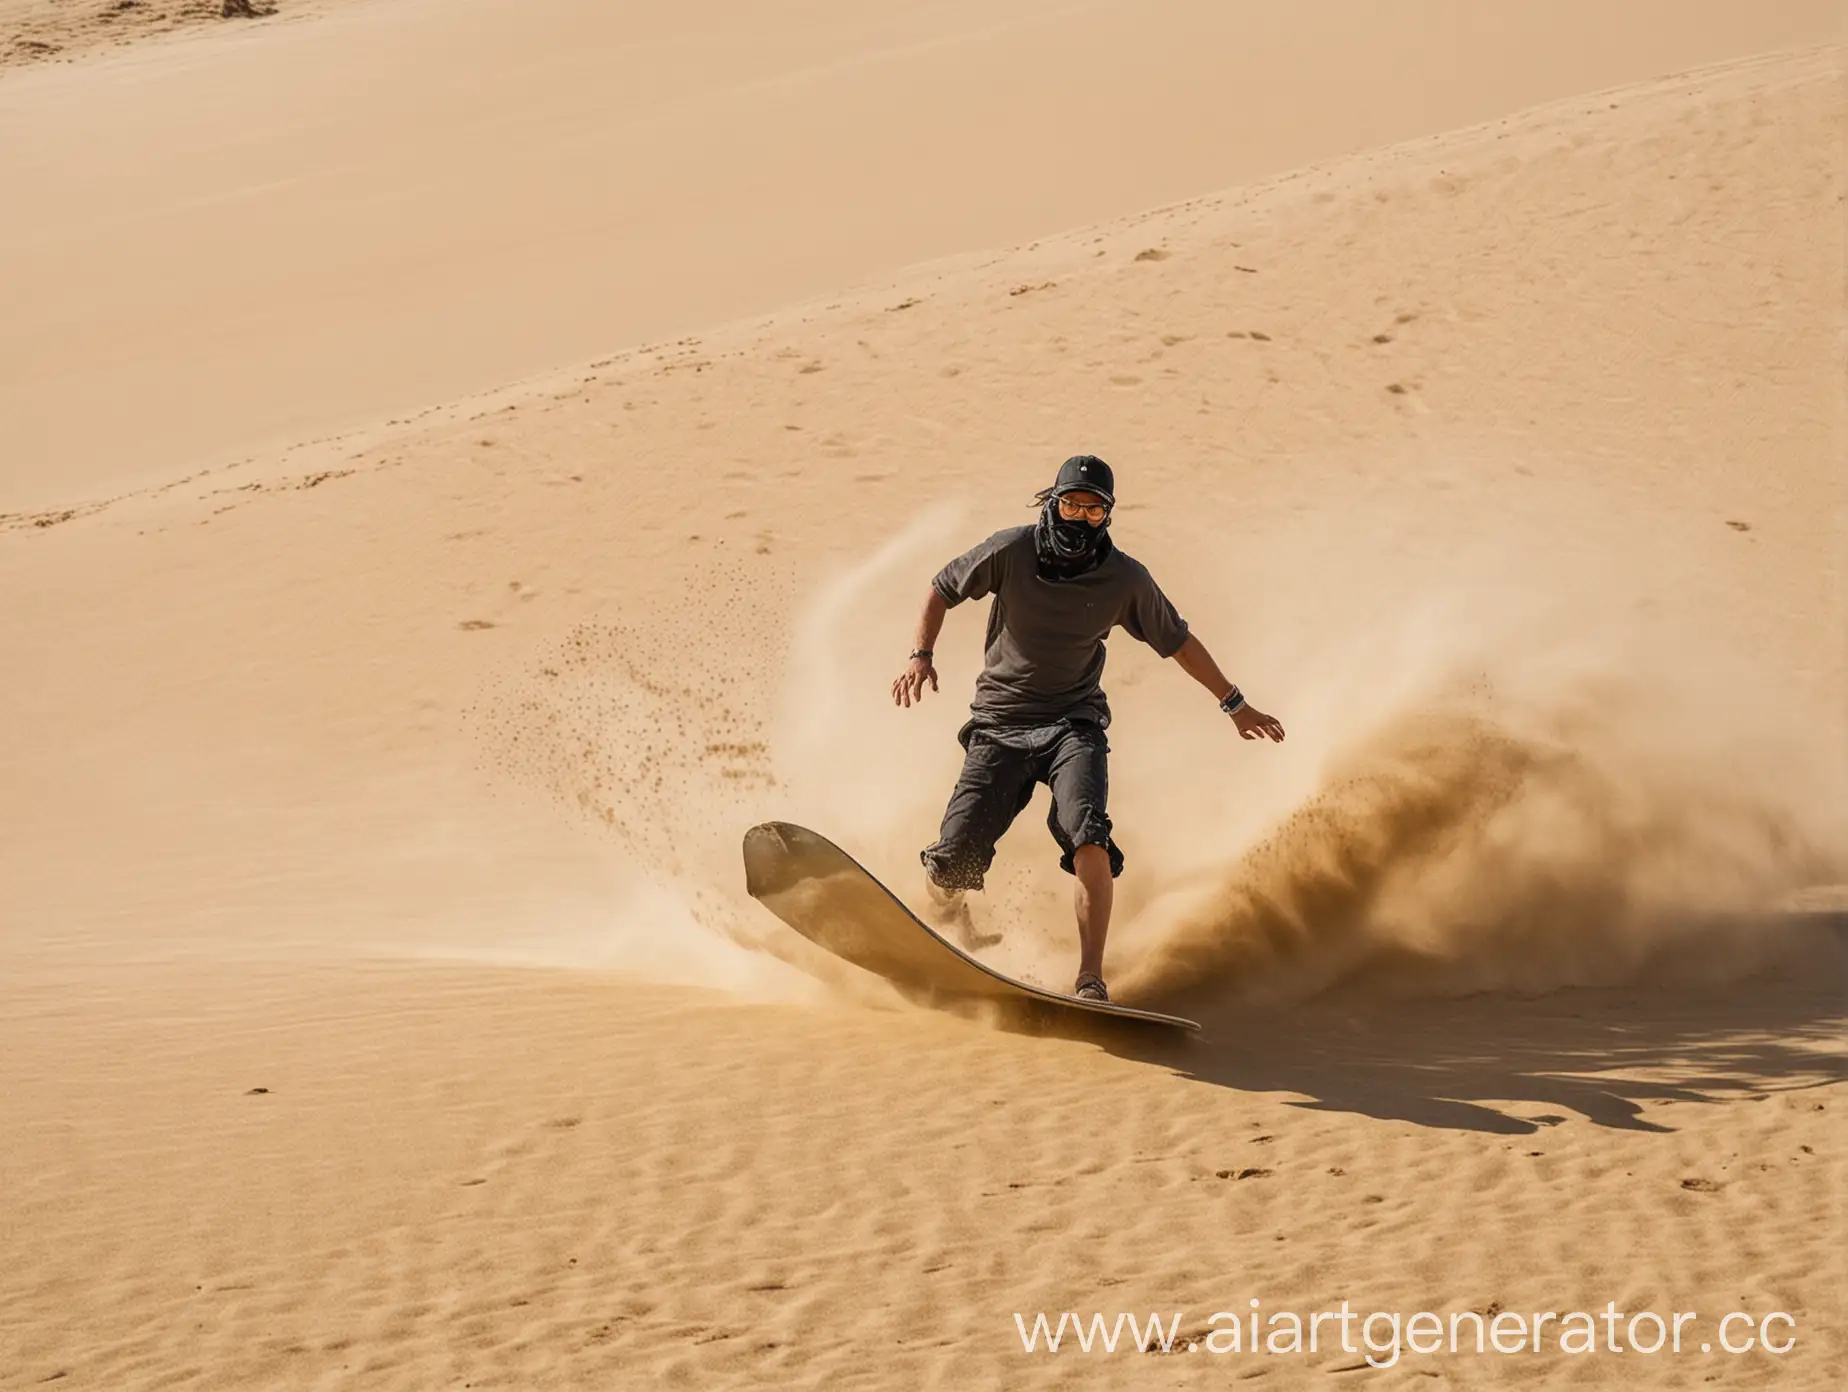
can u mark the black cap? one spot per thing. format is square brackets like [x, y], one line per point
[1086, 473]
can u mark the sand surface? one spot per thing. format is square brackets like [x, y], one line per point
[278, 230]
[379, 1004]
[65, 31]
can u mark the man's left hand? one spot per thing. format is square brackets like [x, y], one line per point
[1255, 724]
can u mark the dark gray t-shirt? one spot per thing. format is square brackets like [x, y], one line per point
[1045, 649]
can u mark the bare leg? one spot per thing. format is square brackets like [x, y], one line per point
[949, 908]
[1091, 898]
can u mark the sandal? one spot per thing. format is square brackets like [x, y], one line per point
[1090, 987]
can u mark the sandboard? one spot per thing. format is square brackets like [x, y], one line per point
[832, 900]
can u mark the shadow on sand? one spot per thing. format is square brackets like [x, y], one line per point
[1512, 1064]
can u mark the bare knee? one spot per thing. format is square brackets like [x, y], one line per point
[1091, 861]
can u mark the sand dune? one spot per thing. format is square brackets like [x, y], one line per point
[215, 249]
[44, 31]
[378, 1002]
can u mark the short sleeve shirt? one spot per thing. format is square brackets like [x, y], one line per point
[1044, 655]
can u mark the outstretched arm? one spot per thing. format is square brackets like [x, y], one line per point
[1198, 663]
[908, 689]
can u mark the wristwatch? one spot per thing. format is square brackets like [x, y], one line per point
[925, 653]
[1234, 702]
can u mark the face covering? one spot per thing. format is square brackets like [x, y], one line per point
[1066, 547]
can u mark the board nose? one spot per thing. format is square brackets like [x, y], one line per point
[763, 855]
[772, 860]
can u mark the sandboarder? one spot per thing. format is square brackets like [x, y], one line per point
[1039, 714]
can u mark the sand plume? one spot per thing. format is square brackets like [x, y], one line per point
[1461, 846]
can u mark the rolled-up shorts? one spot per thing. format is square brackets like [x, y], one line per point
[1001, 765]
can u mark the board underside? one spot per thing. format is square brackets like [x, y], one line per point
[832, 900]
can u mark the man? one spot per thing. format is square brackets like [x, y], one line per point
[1039, 713]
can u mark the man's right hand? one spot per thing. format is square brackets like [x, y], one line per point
[909, 688]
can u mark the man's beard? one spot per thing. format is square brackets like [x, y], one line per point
[1068, 548]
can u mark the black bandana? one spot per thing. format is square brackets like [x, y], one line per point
[1067, 548]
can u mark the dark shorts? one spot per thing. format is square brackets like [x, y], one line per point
[1001, 765]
